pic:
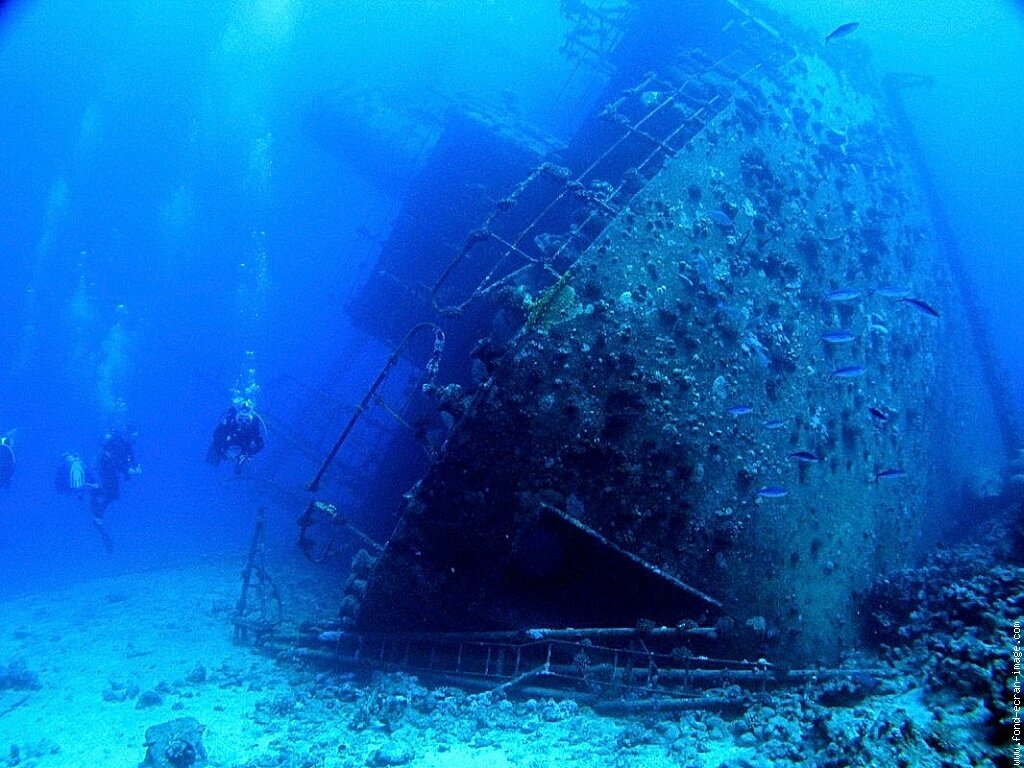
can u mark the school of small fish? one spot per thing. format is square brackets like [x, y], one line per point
[834, 338]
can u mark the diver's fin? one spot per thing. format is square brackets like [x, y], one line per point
[108, 543]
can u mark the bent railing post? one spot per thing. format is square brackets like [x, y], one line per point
[314, 485]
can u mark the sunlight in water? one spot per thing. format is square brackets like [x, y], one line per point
[112, 373]
[55, 216]
[90, 132]
[178, 213]
[261, 166]
[260, 28]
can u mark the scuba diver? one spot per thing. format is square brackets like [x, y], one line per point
[116, 462]
[240, 434]
[73, 476]
[7, 461]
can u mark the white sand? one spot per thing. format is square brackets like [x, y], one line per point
[156, 627]
[142, 629]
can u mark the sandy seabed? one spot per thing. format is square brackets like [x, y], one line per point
[90, 668]
[117, 655]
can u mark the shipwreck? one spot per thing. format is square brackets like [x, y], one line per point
[682, 383]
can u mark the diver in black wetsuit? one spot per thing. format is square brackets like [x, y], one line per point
[239, 435]
[116, 462]
[8, 462]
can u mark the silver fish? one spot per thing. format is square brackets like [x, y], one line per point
[841, 295]
[849, 372]
[838, 337]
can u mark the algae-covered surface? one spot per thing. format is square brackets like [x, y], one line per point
[740, 382]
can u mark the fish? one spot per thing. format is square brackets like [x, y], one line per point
[841, 31]
[774, 424]
[741, 410]
[889, 474]
[891, 291]
[772, 492]
[878, 413]
[849, 372]
[838, 337]
[842, 294]
[804, 457]
[928, 309]
[721, 218]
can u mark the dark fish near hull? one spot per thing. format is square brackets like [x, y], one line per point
[878, 413]
[922, 306]
[889, 474]
[841, 31]
[804, 457]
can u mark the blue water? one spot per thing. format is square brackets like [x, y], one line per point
[969, 123]
[178, 210]
[191, 191]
